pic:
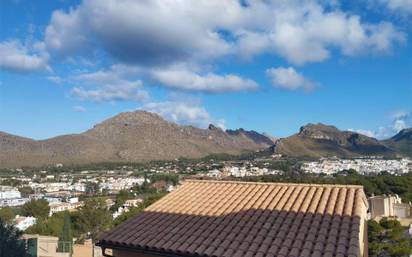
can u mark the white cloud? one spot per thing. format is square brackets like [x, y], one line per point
[183, 113]
[132, 32]
[365, 132]
[16, 57]
[299, 31]
[185, 79]
[398, 125]
[303, 32]
[288, 78]
[400, 120]
[107, 86]
[65, 34]
[79, 108]
[403, 6]
[111, 93]
[176, 77]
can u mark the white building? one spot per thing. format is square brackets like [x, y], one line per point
[13, 202]
[23, 223]
[73, 200]
[214, 173]
[118, 184]
[389, 206]
[7, 192]
[54, 187]
[126, 207]
[133, 202]
[79, 187]
[59, 207]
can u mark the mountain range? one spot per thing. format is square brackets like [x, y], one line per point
[130, 136]
[142, 136]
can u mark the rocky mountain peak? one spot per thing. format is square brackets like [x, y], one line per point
[131, 119]
[404, 134]
[255, 136]
[318, 131]
[139, 116]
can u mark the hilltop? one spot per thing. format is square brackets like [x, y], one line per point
[401, 142]
[320, 140]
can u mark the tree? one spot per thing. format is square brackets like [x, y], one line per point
[7, 214]
[167, 177]
[387, 238]
[52, 226]
[26, 191]
[66, 237]
[37, 208]
[11, 182]
[92, 188]
[93, 218]
[10, 245]
[121, 198]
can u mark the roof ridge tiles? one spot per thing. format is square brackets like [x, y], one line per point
[270, 183]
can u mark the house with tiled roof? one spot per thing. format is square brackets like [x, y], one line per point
[228, 219]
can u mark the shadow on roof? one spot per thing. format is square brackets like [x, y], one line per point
[253, 232]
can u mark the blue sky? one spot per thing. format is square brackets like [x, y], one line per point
[271, 66]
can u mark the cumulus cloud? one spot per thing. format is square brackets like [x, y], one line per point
[288, 78]
[400, 120]
[185, 79]
[111, 93]
[303, 33]
[65, 35]
[403, 6]
[107, 86]
[132, 32]
[184, 113]
[178, 77]
[16, 57]
[299, 31]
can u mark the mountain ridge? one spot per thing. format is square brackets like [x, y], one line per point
[143, 136]
[401, 142]
[129, 136]
[320, 140]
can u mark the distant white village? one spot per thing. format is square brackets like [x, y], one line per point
[243, 171]
[57, 192]
[361, 165]
[63, 196]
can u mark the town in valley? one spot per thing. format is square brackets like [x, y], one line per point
[123, 189]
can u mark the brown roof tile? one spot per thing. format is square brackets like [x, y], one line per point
[211, 218]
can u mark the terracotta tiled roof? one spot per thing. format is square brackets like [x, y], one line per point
[210, 218]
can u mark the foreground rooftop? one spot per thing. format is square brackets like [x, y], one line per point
[223, 218]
